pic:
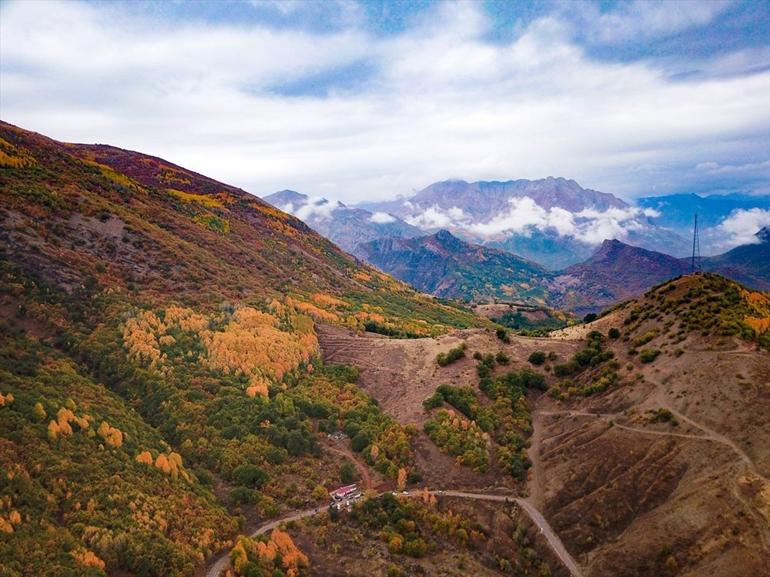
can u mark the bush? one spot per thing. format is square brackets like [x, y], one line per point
[434, 401]
[502, 334]
[649, 355]
[455, 354]
[243, 496]
[590, 317]
[347, 473]
[249, 475]
[613, 333]
[502, 358]
[537, 358]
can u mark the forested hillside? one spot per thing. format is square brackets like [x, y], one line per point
[159, 370]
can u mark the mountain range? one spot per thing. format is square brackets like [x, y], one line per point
[345, 226]
[445, 266]
[187, 373]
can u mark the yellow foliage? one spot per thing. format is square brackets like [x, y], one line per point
[87, 558]
[374, 452]
[5, 525]
[14, 517]
[759, 325]
[111, 435]
[312, 310]
[6, 400]
[401, 479]
[186, 319]
[252, 345]
[204, 199]
[144, 457]
[325, 300]
[53, 431]
[257, 386]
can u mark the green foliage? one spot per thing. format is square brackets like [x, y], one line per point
[249, 475]
[459, 438]
[536, 323]
[347, 473]
[76, 493]
[613, 333]
[649, 355]
[537, 358]
[412, 527]
[502, 334]
[455, 354]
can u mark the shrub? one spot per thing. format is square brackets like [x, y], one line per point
[243, 496]
[249, 475]
[590, 317]
[613, 333]
[648, 355]
[347, 473]
[502, 358]
[455, 354]
[537, 358]
[434, 401]
[502, 334]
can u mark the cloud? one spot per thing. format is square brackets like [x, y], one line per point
[378, 114]
[524, 216]
[645, 19]
[741, 226]
[433, 217]
[315, 208]
[382, 218]
[716, 168]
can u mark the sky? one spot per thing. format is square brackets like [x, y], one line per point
[361, 101]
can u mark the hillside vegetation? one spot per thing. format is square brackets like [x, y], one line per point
[161, 380]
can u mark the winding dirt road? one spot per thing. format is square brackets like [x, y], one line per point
[216, 569]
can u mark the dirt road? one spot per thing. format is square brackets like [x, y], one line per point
[534, 514]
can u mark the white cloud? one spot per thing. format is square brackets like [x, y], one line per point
[316, 208]
[524, 215]
[438, 99]
[645, 19]
[716, 168]
[382, 218]
[433, 217]
[741, 226]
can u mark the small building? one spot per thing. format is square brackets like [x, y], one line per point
[344, 492]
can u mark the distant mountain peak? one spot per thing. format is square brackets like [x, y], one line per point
[763, 234]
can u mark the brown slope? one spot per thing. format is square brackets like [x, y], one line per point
[615, 272]
[632, 496]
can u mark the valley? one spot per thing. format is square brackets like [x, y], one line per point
[197, 372]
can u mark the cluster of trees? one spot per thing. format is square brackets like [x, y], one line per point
[461, 438]
[268, 556]
[454, 354]
[414, 527]
[115, 512]
[592, 355]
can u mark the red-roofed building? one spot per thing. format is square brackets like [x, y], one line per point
[344, 492]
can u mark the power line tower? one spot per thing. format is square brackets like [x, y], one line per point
[695, 247]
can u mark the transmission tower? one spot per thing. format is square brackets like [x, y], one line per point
[695, 246]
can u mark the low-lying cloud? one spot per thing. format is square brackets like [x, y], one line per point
[524, 216]
[741, 226]
[316, 208]
[382, 218]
